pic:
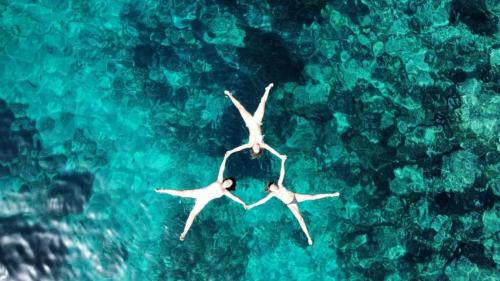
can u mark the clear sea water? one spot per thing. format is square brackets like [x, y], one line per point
[395, 104]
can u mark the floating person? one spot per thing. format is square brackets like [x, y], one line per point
[253, 123]
[217, 189]
[291, 199]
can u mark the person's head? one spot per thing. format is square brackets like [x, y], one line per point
[255, 151]
[229, 184]
[271, 187]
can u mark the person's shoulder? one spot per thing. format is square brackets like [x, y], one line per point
[284, 188]
[215, 184]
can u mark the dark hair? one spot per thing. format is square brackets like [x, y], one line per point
[233, 186]
[254, 155]
[268, 186]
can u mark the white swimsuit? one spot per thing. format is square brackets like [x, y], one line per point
[255, 137]
[212, 191]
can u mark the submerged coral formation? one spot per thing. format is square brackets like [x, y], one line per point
[393, 103]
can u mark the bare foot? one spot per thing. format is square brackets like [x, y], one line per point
[309, 241]
[183, 235]
[227, 93]
[335, 194]
[270, 86]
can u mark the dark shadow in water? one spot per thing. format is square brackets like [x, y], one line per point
[27, 244]
[354, 9]
[17, 135]
[290, 15]
[475, 15]
[266, 56]
[70, 192]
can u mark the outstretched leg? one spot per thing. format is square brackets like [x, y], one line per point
[259, 113]
[308, 197]
[191, 193]
[247, 117]
[198, 206]
[295, 211]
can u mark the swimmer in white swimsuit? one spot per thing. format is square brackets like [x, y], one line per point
[253, 123]
[217, 189]
[291, 199]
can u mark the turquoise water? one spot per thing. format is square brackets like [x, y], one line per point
[395, 104]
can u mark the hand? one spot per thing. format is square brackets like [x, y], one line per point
[270, 86]
[183, 235]
[157, 189]
[335, 194]
[227, 93]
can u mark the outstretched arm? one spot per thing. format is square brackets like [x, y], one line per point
[282, 172]
[261, 201]
[237, 149]
[234, 198]
[266, 146]
[191, 193]
[222, 167]
[259, 113]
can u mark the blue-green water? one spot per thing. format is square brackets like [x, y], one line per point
[395, 104]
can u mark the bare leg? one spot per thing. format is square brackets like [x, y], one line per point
[308, 197]
[191, 193]
[295, 211]
[198, 206]
[247, 117]
[259, 113]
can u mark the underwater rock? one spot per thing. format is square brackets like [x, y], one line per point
[408, 179]
[462, 203]
[491, 220]
[52, 163]
[209, 253]
[460, 171]
[495, 61]
[355, 9]
[8, 150]
[475, 14]
[311, 100]
[69, 192]
[19, 143]
[28, 251]
[46, 124]
[287, 15]
[156, 55]
[479, 111]
[463, 270]
[303, 136]
[223, 30]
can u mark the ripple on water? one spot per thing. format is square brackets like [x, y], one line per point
[29, 251]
